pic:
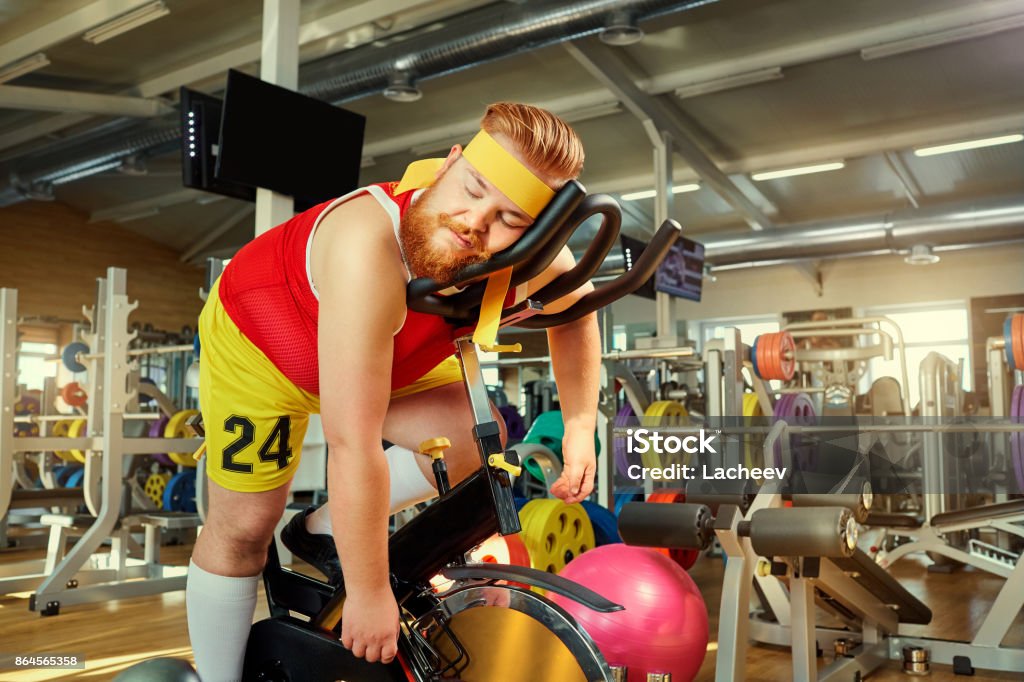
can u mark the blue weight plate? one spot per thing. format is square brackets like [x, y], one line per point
[75, 479]
[606, 526]
[622, 498]
[67, 356]
[753, 357]
[1008, 339]
[180, 493]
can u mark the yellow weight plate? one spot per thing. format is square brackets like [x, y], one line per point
[751, 409]
[61, 429]
[77, 430]
[664, 413]
[177, 428]
[555, 532]
[155, 485]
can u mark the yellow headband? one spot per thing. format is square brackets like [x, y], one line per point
[494, 162]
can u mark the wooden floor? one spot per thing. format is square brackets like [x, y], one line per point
[117, 634]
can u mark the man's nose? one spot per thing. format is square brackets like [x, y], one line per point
[476, 220]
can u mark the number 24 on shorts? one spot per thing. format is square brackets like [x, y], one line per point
[246, 430]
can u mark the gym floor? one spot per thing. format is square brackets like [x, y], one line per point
[117, 634]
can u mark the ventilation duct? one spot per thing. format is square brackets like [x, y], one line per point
[470, 39]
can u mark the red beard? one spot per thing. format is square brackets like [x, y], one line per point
[425, 256]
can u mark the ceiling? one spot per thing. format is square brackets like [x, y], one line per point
[752, 85]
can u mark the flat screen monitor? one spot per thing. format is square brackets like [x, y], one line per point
[287, 142]
[631, 250]
[682, 272]
[200, 128]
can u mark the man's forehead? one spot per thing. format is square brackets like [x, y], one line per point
[489, 186]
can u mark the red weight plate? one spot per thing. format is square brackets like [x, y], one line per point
[787, 365]
[1017, 333]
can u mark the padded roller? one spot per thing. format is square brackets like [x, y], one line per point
[809, 531]
[717, 492]
[682, 525]
[858, 503]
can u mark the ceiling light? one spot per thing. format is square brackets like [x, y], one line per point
[953, 35]
[23, 66]
[969, 144]
[802, 170]
[651, 193]
[126, 22]
[401, 88]
[921, 254]
[621, 29]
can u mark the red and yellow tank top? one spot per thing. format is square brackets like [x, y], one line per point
[268, 292]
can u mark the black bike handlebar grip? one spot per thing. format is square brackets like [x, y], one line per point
[590, 262]
[596, 204]
[624, 284]
[421, 292]
[681, 525]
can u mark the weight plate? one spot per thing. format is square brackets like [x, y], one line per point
[156, 430]
[60, 429]
[1008, 342]
[1017, 437]
[686, 558]
[77, 430]
[180, 493]
[69, 356]
[624, 418]
[75, 479]
[798, 410]
[753, 357]
[606, 526]
[177, 428]
[74, 395]
[555, 533]
[156, 484]
[664, 413]
[1017, 339]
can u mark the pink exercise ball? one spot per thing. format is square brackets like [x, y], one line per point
[664, 626]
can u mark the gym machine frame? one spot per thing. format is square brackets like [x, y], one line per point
[436, 540]
[81, 575]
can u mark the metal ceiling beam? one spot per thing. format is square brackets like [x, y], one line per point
[45, 99]
[911, 137]
[143, 205]
[404, 15]
[64, 26]
[606, 67]
[211, 236]
[906, 179]
[733, 68]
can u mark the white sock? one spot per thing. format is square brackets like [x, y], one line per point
[408, 487]
[220, 611]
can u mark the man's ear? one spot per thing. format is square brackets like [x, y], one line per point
[452, 157]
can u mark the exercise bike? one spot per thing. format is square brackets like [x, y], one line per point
[487, 625]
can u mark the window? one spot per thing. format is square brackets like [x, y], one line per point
[750, 329]
[943, 330]
[35, 363]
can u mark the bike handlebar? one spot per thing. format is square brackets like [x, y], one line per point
[531, 254]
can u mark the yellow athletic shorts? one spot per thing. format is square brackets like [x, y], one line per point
[255, 418]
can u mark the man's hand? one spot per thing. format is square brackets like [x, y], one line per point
[579, 464]
[369, 625]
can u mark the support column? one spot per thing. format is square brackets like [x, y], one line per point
[279, 65]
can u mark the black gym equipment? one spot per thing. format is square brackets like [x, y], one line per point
[469, 630]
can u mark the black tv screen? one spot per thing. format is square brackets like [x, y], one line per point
[287, 142]
[631, 250]
[682, 272]
[200, 128]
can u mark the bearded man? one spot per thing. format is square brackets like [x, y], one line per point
[311, 317]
